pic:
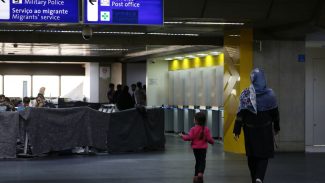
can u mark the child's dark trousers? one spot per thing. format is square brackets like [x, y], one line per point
[200, 155]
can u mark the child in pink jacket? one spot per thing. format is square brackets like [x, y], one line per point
[199, 136]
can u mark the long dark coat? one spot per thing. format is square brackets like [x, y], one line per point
[259, 131]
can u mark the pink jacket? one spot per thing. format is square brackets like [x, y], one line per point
[194, 136]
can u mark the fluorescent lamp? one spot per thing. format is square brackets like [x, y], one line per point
[169, 59]
[172, 34]
[215, 53]
[108, 49]
[214, 23]
[122, 33]
[206, 23]
[190, 56]
[12, 30]
[202, 55]
[179, 58]
[173, 22]
[234, 35]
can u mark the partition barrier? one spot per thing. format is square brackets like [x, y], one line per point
[188, 119]
[178, 119]
[169, 119]
[63, 129]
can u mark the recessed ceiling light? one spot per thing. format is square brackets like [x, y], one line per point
[171, 34]
[205, 23]
[12, 30]
[215, 53]
[173, 22]
[214, 23]
[107, 49]
[202, 55]
[234, 35]
[122, 33]
[190, 56]
[179, 58]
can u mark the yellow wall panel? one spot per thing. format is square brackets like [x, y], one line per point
[238, 63]
[198, 62]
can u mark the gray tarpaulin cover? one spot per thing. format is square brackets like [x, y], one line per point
[8, 134]
[61, 129]
[132, 130]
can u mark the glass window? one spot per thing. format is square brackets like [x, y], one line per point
[72, 87]
[51, 84]
[1, 85]
[14, 85]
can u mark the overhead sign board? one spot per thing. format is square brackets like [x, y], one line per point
[134, 12]
[39, 11]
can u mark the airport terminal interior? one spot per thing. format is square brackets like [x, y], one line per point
[96, 91]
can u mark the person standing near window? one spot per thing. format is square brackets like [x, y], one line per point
[110, 93]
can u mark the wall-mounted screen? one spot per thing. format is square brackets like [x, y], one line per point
[134, 12]
[39, 11]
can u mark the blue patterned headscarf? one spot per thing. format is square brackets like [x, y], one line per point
[257, 97]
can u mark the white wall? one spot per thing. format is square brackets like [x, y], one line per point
[136, 72]
[116, 73]
[91, 84]
[157, 82]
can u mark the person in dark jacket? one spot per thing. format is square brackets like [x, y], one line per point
[117, 93]
[259, 116]
[110, 93]
[124, 100]
[133, 88]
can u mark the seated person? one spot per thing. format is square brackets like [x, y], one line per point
[24, 105]
[41, 102]
[3, 107]
[5, 104]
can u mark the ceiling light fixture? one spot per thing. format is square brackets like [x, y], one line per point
[169, 59]
[12, 30]
[215, 53]
[190, 56]
[214, 23]
[202, 54]
[122, 33]
[179, 58]
[172, 34]
[108, 49]
[173, 22]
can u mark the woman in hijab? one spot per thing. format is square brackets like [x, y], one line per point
[259, 116]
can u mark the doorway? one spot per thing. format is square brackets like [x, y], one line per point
[318, 102]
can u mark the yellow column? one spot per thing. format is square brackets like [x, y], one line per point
[238, 58]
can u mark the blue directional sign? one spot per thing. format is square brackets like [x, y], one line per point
[141, 12]
[39, 11]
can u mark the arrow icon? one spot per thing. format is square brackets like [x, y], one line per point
[3, 1]
[92, 2]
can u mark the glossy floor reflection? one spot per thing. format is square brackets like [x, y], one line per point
[175, 165]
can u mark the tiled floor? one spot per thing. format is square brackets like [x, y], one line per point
[175, 165]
